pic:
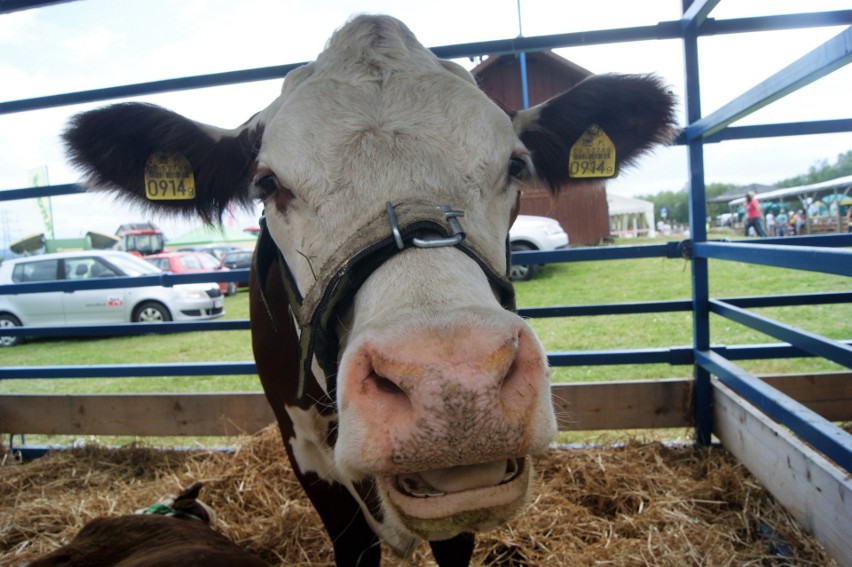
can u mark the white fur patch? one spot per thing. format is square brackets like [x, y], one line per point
[309, 446]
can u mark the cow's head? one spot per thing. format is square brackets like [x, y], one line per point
[441, 392]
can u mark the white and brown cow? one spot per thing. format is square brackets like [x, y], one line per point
[408, 392]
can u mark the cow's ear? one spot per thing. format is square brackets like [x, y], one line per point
[142, 152]
[634, 112]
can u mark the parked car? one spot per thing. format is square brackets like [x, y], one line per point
[237, 259]
[534, 233]
[215, 250]
[148, 304]
[190, 263]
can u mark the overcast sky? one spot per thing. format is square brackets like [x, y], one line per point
[99, 43]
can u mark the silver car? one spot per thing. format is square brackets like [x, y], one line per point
[148, 304]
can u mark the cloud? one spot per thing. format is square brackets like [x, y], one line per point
[97, 43]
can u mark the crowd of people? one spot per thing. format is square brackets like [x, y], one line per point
[785, 223]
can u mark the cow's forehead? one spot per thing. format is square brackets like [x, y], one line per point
[377, 107]
[413, 124]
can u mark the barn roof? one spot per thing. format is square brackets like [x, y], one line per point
[741, 191]
[548, 75]
[569, 67]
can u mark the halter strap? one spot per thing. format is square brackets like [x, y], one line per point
[399, 227]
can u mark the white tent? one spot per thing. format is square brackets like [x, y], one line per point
[629, 216]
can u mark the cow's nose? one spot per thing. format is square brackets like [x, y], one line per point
[464, 395]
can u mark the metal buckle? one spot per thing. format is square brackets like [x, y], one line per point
[452, 216]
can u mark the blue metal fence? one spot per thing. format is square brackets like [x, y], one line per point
[826, 253]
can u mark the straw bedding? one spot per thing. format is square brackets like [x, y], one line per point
[639, 504]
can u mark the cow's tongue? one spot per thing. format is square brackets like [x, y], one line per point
[457, 479]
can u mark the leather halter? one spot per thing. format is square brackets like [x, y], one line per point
[399, 227]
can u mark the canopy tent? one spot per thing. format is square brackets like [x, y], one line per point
[629, 216]
[826, 193]
[212, 234]
[840, 186]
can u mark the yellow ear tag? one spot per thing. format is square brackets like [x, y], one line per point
[168, 177]
[593, 155]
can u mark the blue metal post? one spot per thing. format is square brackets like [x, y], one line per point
[697, 220]
[525, 95]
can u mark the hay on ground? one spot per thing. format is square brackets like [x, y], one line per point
[640, 504]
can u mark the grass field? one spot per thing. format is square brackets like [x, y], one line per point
[577, 283]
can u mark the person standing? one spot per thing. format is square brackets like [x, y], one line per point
[781, 222]
[770, 223]
[754, 216]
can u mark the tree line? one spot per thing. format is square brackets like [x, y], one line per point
[677, 202]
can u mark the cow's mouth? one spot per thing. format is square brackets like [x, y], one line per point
[441, 503]
[458, 479]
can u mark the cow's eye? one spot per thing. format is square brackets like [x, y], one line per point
[265, 185]
[519, 167]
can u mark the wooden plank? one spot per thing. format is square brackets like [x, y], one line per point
[827, 393]
[640, 404]
[136, 414]
[644, 404]
[815, 491]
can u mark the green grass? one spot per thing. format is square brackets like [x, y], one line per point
[577, 283]
[655, 279]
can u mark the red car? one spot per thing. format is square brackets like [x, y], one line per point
[190, 262]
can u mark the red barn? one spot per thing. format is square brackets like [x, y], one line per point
[583, 211]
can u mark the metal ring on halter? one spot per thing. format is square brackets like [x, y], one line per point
[457, 232]
[394, 226]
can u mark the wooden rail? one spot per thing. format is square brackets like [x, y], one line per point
[647, 404]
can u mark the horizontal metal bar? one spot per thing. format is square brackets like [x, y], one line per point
[836, 240]
[820, 433]
[149, 88]
[127, 329]
[826, 58]
[774, 130]
[606, 309]
[45, 191]
[642, 307]
[670, 355]
[793, 299]
[594, 253]
[128, 370]
[829, 261]
[164, 279]
[815, 344]
[673, 355]
[712, 26]
[528, 312]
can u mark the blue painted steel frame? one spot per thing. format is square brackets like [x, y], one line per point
[833, 442]
[808, 253]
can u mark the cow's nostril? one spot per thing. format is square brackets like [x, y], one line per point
[385, 385]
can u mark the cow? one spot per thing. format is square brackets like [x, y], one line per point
[175, 531]
[409, 394]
